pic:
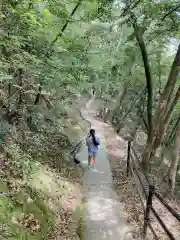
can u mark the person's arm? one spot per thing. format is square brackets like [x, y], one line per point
[87, 140]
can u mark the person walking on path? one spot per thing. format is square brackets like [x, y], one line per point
[92, 142]
[93, 91]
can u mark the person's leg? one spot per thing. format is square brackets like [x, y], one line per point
[94, 160]
[89, 160]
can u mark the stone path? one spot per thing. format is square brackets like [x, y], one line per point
[104, 214]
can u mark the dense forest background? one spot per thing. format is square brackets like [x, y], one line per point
[53, 53]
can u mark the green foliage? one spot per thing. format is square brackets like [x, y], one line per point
[96, 48]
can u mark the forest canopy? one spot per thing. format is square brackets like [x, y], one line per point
[55, 52]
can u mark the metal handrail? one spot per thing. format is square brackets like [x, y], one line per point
[171, 210]
[149, 196]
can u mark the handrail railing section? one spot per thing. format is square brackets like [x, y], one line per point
[149, 192]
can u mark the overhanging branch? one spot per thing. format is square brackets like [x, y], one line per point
[66, 23]
[171, 11]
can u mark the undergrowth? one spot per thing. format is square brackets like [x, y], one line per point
[37, 174]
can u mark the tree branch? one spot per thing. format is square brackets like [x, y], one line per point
[174, 73]
[66, 23]
[129, 7]
[171, 11]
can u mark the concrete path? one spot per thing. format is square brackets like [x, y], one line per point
[104, 214]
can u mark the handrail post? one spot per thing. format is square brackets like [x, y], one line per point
[128, 157]
[148, 208]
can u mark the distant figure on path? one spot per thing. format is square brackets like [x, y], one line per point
[92, 142]
[93, 91]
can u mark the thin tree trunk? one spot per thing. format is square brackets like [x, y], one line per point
[169, 88]
[119, 103]
[140, 113]
[173, 132]
[107, 115]
[49, 104]
[9, 84]
[166, 121]
[159, 74]
[20, 84]
[174, 161]
[173, 104]
[133, 103]
[38, 96]
[9, 90]
[144, 54]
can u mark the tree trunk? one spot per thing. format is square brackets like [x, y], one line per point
[10, 71]
[173, 104]
[163, 112]
[140, 115]
[20, 84]
[122, 95]
[169, 88]
[172, 134]
[38, 96]
[49, 104]
[174, 161]
[128, 110]
[144, 54]
[107, 115]
[166, 121]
